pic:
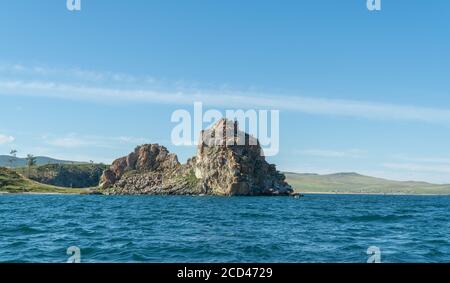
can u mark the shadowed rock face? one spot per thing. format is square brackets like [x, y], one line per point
[149, 157]
[228, 162]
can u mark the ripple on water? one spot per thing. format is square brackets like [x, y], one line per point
[316, 228]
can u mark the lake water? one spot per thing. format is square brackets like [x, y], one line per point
[316, 228]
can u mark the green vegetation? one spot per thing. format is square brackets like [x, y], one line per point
[188, 178]
[13, 182]
[65, 175]
[191, 179]
[13, 154]
[31, 161]
[355, 183]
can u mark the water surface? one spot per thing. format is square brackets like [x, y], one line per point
[316, 228]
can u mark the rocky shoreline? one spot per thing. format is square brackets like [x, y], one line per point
[228, 163]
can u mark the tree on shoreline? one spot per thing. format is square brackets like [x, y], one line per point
[13, 157]
[31, 161]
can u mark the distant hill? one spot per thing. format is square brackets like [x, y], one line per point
[5, 161]
[356, 183]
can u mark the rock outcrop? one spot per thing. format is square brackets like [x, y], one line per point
[149, 158]
[66, 175]
[228, 162]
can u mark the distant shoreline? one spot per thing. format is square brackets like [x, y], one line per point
[303, 193]
[43, 193]
[385, 194]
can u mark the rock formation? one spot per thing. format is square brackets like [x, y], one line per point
[145, 158]
[65, 175]
[228, 162]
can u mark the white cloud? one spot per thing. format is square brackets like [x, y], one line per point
[433, 169]
[308, 105]
[78, 74]
[132, 140]
[416, 167]
[70, 141]
[445, 160]
[96, 86]
[4, 139]
[352, 153]
[75, 141]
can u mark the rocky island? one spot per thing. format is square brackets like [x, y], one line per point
[228, 162]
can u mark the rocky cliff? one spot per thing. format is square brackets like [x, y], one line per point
[65, 175]
[228, 162]
[149, 158]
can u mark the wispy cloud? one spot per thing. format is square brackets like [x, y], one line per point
[74, 140]
[96, 86]
[352, 153]
[417, 167]
[432, 159]
[4, 139]
[438, 165]
[77, 74]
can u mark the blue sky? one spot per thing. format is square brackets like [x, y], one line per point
[357, 91]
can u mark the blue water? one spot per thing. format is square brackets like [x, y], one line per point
[316, 228]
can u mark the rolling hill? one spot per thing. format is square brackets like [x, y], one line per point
[359, 184]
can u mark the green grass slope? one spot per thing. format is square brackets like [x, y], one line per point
[355, 183]
[65, 175]
[13, 182]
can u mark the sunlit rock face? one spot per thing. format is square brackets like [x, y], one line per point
[230, 162]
